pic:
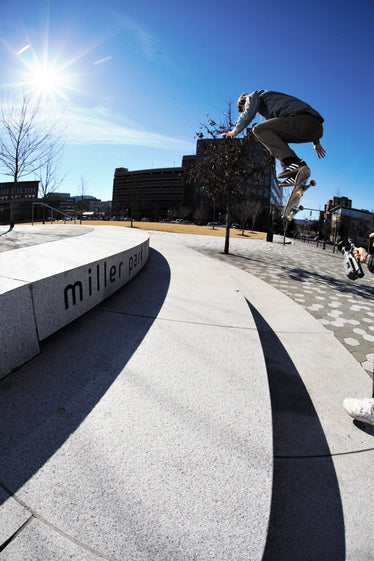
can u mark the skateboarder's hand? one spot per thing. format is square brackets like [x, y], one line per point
[229, 134]
[360, 254]
[320, 151]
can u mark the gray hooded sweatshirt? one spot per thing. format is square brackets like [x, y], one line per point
[271, 104]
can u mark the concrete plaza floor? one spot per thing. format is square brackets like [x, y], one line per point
[313, 278]
[197, 414]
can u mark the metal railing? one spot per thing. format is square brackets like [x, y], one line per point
[56, 210]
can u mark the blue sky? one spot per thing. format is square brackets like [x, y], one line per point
[136, 78]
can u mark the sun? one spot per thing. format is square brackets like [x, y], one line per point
[48, 81]
[43, 77]
[46, 69]
[49, 68]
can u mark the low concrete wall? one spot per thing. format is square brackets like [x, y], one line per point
[46, 286]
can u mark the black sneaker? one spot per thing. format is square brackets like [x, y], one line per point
[287, 182]
[292, 169]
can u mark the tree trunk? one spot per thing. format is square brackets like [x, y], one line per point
[228, 219]
[12, 203]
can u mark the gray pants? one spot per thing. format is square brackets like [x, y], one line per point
[275, 134]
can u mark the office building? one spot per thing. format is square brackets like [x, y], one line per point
[168, 193]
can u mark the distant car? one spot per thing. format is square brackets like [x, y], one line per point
[235, 226]
[144, 220]
[214, 224]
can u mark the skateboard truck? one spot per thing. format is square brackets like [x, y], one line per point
[352, 267]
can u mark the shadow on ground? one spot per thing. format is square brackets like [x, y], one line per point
[306, 518]
[359, 287]
[47, 399]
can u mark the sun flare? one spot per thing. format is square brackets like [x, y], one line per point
[45, 80]
[43, 77]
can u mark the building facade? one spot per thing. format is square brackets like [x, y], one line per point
[62, 202]
[341, 221]
[22, 190]
[258, 183]
[169, 193]
[149, 193]
[23, 202]
[351, 223]
[16, 200]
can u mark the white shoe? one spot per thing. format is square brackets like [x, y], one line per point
[360, 409]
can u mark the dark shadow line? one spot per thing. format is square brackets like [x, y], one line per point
[299, 274]
[9, 230]
[306, 517]
[46, 400]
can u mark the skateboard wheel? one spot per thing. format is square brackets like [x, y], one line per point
[299, 193]
[313, 183]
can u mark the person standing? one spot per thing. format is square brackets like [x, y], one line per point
[362, 409]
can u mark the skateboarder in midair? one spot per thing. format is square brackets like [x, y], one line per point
[288, 119]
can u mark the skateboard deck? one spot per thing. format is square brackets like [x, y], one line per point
[301, 185]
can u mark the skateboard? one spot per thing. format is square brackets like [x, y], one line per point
[301, 185]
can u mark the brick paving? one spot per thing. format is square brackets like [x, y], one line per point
[312, 277]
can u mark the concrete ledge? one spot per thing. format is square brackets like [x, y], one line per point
[46, 286]
[165, 384]
[18, 337]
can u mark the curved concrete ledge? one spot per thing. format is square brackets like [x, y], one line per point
[173, 398]
[46, 286]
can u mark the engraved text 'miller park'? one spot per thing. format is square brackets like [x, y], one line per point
[99, 277]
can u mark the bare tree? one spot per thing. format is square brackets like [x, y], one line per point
[223, 166]
[82, 187]
[49, 181]
[253, 209]
[246, 210]
[82, 193]
[27, 140]
[48, 175]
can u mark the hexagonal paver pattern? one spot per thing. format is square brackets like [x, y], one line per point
[312, 277]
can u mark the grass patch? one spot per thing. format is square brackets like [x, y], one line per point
[180, 229]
